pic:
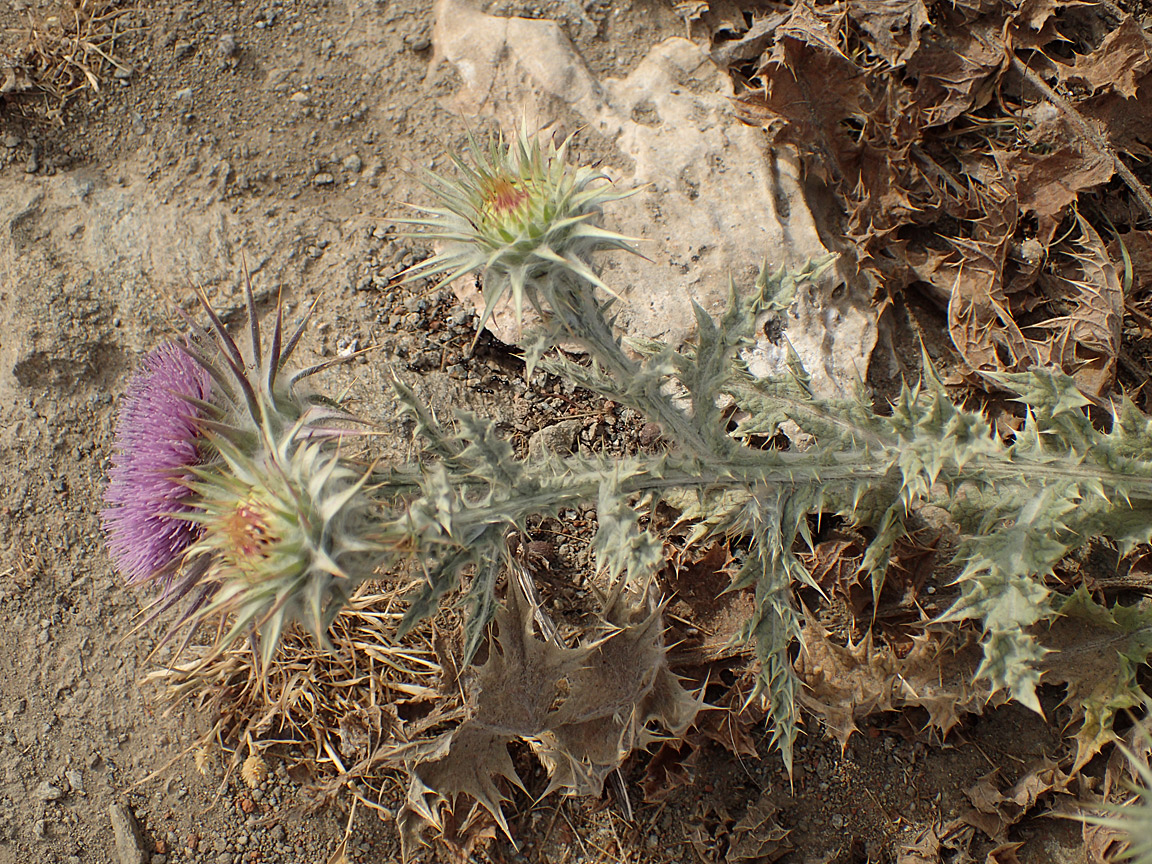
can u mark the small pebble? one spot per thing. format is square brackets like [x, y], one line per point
[47, 792]
[323, 179]
[226, 46]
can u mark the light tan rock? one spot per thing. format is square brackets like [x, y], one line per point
[716, 202]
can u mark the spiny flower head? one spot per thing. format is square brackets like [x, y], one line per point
[158, 444]
[518, 214]
[281, 511]
[288, 534]
[238, 473]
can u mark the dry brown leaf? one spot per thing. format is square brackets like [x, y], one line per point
[581, 710]
[846, 683]
[671, 768]
[758, 838]
[994, 810]
[958, 72]
[1119, 64]
[1085, 340]
[894, 26]
[1005, 853]
[1052, 174]
[980, 319]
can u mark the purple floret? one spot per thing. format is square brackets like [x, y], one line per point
[157, 441]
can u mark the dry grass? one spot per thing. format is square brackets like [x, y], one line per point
[340, 707]
[51, 59]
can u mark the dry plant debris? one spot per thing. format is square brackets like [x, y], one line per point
[340, 707]
[966, 142]
[581, 710]
[52, 58]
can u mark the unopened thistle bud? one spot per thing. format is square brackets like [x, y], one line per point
[519, 214]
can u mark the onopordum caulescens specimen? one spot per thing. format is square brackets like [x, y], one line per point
[260, 511]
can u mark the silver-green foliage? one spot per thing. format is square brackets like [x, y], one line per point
[1022, 504]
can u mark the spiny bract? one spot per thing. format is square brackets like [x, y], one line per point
[518, 213]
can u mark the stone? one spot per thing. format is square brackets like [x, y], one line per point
[47, 792]
[226, 46]
[353, 163]
[713, 203]
[323, 179]
[559, 438]
[126, 834]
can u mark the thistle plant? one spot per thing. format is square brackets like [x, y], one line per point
[281, 524]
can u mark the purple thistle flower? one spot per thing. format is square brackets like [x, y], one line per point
[157, 442]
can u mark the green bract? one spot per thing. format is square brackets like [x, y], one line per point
[517, 212]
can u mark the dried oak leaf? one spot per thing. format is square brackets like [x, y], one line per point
[845, 683]
[581, 710]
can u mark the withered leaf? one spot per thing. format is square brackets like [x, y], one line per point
[670, 769]
[1122, 59]
[582, 711]
[758, 838]
[980, 319]
[845, 683]
[994, 811]
[894, 26]
[958, 71]
[1085, 340]
[1050, 181]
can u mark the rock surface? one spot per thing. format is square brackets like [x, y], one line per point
[714, 202]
